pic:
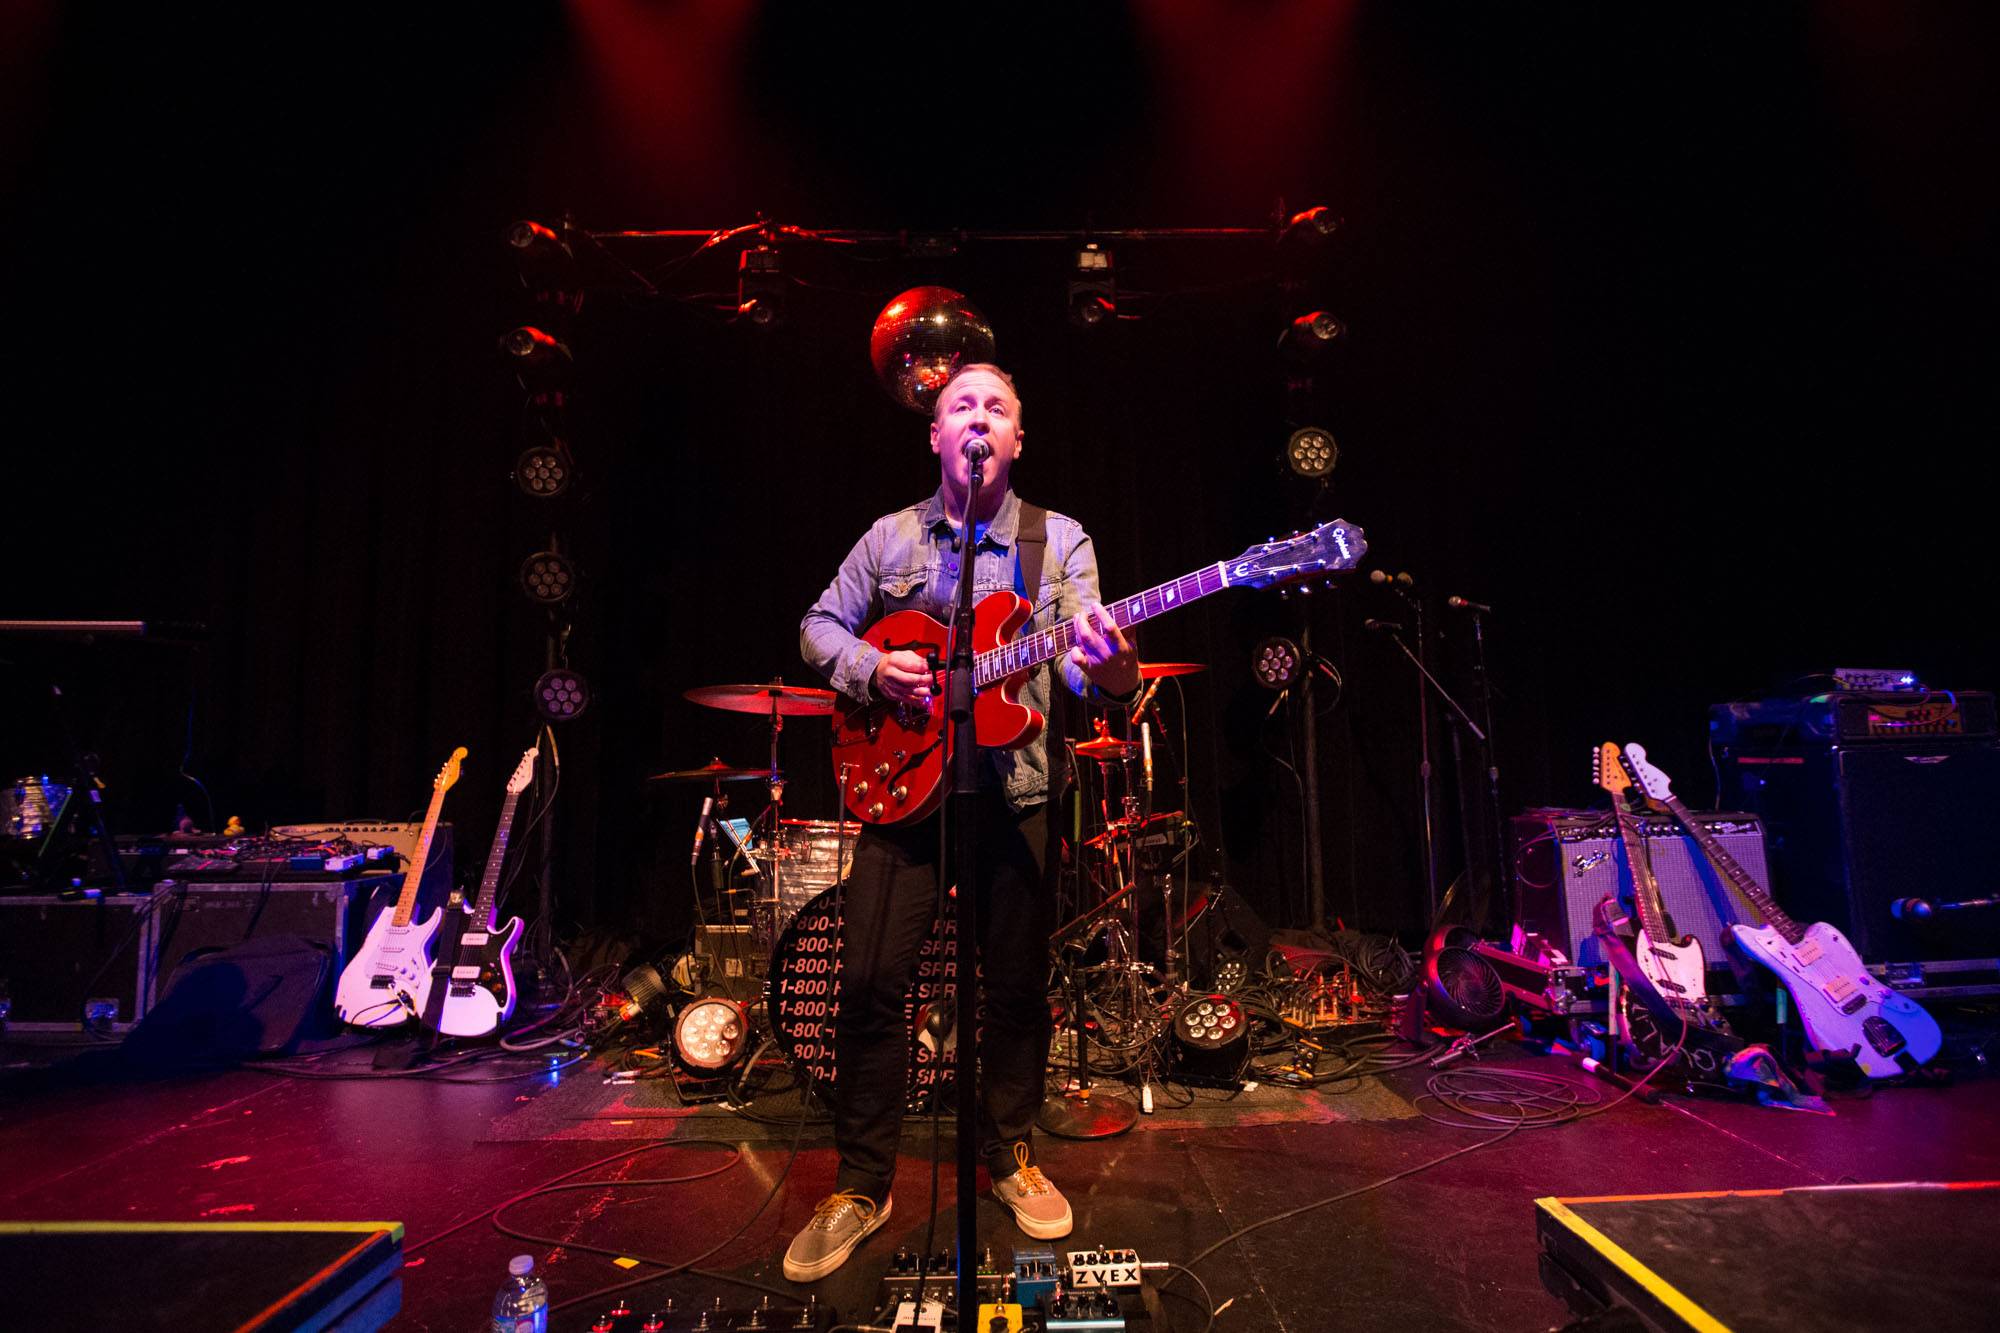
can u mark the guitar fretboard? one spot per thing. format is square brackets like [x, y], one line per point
[1645, 888]
[1719, 856]
[1031, 650]
[413, 878]
[489, 883]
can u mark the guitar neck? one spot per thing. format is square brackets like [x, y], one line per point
[1719, 856]
[413, 878]
[489, 883]
[1645, 888]
[1031, 650]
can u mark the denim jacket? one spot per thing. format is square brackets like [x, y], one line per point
[906, 561]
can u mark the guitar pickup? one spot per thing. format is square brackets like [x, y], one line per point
[468, 972]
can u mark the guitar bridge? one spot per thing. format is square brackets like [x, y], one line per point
[381, 983]
[1882, 1035]
[462, 989]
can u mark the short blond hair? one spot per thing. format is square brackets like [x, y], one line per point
[937, 408]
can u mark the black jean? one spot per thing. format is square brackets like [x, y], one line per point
[887, 910]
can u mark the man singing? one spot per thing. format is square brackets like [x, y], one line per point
[911, 559]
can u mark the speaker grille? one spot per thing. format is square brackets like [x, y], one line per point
[1569, 861]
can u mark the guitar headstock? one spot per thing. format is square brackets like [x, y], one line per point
[1607, 770]
[449, 773]
[1329, 548]
[1647, 774]
[524, 772]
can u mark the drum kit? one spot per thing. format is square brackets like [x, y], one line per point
[1123, 964]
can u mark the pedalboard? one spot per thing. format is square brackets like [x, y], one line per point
[767, 1316]
[1038, 1292]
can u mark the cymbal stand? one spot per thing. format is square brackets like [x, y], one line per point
[1079, 1113]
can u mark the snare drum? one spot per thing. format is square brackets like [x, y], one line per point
[810, 856]
[29, 805]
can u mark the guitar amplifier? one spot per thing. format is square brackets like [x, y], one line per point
[1855, 829]
[198, 918]
[1567, 861]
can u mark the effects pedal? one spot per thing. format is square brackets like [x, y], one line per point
[941, 1276]
[909, 1319]
[1103, 1270]
[767, 1316]
[1037, 1276]
[999, 1319]
[1084, 1310]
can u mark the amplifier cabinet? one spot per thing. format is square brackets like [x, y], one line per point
[1854, 828]
[1568, 861]
[56, 953]
[207, 917]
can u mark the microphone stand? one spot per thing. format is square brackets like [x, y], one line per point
[1497, 839]
[1423, 716]
[964, 807]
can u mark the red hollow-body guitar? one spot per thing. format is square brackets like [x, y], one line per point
[895, 753]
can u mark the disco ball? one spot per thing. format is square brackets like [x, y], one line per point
[924, 337]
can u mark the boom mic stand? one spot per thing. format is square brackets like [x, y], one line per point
[1395, 634]
[959, 684]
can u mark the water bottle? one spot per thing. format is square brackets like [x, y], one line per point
[522, 1303]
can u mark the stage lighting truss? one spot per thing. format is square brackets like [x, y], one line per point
[540, 359]
[544, 471]
[546, 263]
[561, 695]
[760, 287]
[1311, 453]
[1093, 287]
[1277, 663]
[1310, 336]
[711, 1035]
[549, 578]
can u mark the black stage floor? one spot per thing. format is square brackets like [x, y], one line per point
[1453, 1247]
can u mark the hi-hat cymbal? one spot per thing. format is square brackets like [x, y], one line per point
[715, 771]
[785, 700]
[1107, 747]
[1154, 670]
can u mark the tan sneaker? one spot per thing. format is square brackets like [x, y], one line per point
[841, 1222]
[1039, 1207]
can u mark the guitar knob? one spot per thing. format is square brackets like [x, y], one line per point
[900, 793]
[882, 770]
[860, 789]
[876, 810]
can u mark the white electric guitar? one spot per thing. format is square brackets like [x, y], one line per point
[1845, 1010]
[389, 980]
[480, 992]
[1673, 963]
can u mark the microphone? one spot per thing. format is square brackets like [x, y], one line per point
[1146, 743]
[1466, 604]
[701, 827]
[1146, 698]
[1904, 909]
[977, 450]
[1383, 626]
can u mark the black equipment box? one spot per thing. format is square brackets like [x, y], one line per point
[120, 951]
[1566, 861]
[58, 952]
[1854, 717]
[1817, 1259]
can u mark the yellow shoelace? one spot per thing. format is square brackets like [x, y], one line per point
[1032, 1179]
[829, 1207]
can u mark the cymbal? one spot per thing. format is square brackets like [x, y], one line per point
[1164, 821]
[715, 771]
[1106, 748]
[785, 700]
[1154, 670]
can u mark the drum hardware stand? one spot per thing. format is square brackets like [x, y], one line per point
[1077, 1114]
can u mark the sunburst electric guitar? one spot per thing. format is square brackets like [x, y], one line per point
[1845, 1010]
[389, 981]
[479, 990]
[894, 754]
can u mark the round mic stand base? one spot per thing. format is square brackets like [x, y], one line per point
[1086, 1114]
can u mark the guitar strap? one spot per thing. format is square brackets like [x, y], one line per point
[1031, 544]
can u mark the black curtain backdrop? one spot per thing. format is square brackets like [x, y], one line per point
[1671, 337]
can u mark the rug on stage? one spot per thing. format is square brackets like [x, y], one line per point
[584, 1106]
